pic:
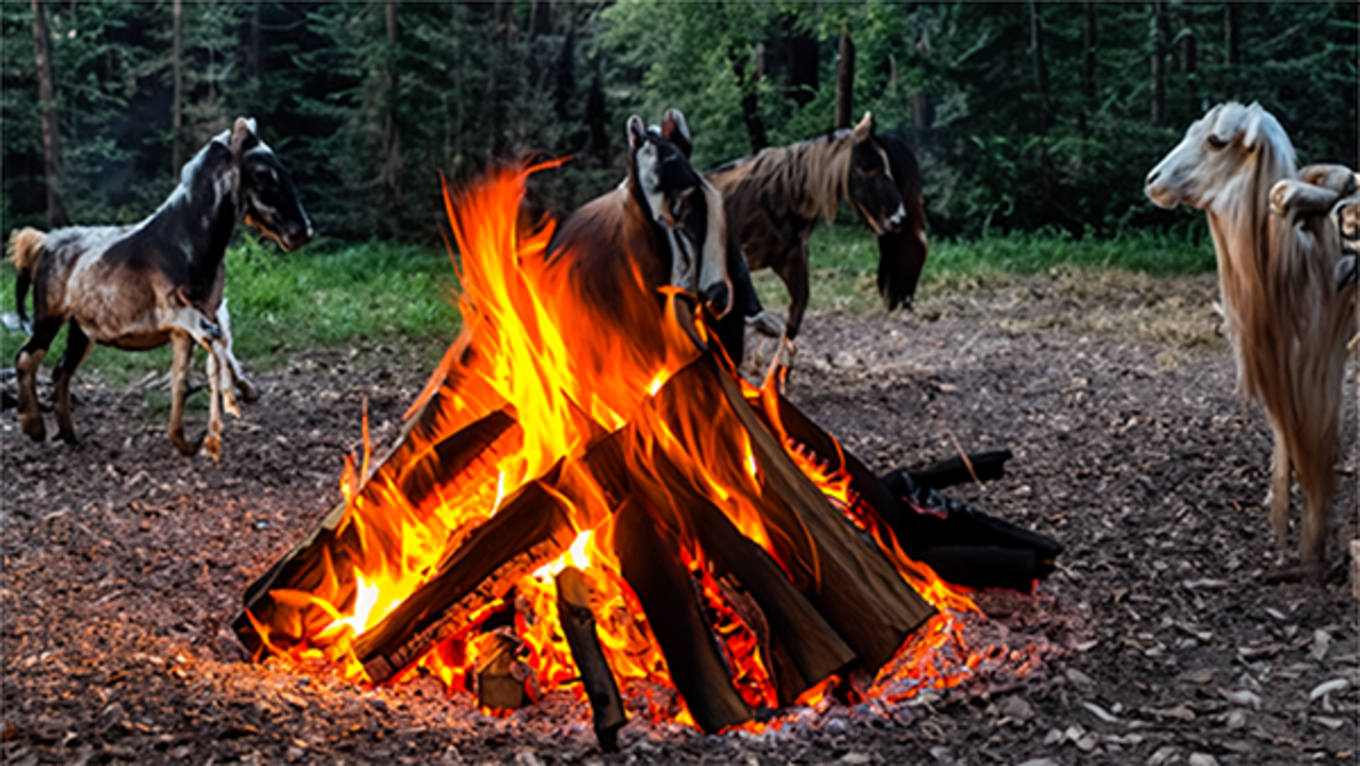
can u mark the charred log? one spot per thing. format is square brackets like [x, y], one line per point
[649, 559]
[578, 624]
[531, 529]
[500, 684]
[980, 466]
[332, 545]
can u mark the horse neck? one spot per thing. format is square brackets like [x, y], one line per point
[199, 217]
[1239, 217]
[826, 173]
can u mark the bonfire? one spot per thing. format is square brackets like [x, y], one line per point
[607, 509]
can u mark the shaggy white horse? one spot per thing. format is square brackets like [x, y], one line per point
[1288, 315]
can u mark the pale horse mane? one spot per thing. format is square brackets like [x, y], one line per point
[811, 175]
[1286, 320]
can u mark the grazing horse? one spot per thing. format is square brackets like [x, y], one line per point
[1288, 317]
[139, 287]
[664, 215]
[774, 199]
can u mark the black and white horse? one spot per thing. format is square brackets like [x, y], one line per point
[139, 287]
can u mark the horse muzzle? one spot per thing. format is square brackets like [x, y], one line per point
[718, 296]
[295, 235]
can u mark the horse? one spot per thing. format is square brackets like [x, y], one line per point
[774, 199]
[160, 281]
[1288, 315]
[664, 215]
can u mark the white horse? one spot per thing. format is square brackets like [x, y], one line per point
[1288, 317]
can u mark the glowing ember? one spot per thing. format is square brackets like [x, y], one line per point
[539, 380]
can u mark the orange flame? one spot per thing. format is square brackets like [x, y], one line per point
[533, 347]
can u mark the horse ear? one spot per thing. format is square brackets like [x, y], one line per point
[1255, 117]
[865, 127]
[637, 133]
[676, 130]
[1227, 124]
[241, 132]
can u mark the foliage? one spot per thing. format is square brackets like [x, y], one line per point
[368, 102]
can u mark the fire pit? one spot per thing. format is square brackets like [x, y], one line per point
[578, 503]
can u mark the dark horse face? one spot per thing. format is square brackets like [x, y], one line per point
[686, 211]
[871, 188]
[267, 192]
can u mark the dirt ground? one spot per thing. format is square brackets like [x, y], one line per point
[124, 562]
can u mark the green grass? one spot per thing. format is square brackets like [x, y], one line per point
[361, 296]
[400, 296]
[844, 262]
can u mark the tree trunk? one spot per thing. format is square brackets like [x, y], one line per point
[1036, 46]
[803, 67]
[541, 17]
[391, 133]
[748, 80]
[253, 45]
[47, 105]
[1088, 67]
[177, 100]
[1159, 35]
[1231, 19]
[845, 79]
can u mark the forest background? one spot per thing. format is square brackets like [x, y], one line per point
[1025, 116]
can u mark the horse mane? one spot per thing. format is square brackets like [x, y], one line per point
[1285, 316]
[807, 178]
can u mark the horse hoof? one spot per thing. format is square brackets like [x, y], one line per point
[69, 437]
[1302, 573]
[33, 426]
[213, 447]
[184, 446]
[248, 392]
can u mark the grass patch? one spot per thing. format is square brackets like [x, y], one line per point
[362, 295]
[400, 296]
[844, 262]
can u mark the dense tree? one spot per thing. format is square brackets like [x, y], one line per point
[1024, 115]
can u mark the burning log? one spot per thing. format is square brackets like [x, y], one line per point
[500, 683]
[962, 544]
[851, 584]
[331, 546]
[578, 624]
[647, 555]
[530, 530]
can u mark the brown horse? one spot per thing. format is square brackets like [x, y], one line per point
[774, 199]
[160, 281]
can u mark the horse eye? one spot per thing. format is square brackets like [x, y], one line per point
[1216, 142]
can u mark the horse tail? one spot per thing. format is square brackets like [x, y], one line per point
[25, 247]
[902, 253]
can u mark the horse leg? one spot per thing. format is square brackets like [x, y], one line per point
[212, 443]
[183, 347]
[794, 272]
[238, 378]
[27, 364]
[1279, 489]
[77, 348]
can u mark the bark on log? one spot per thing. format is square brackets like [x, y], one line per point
[497, 687]
[650, 561]
[853, 586]
[804, 648]
[531, 529]
[578, 624]
[326, 551]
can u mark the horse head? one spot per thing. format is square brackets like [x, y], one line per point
[266, 188]
[686, 211]
[1218, 162]
[869, 184]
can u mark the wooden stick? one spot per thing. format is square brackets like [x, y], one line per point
[497, 687]
[531, 529]
[578, 624]
[650, 561]
[847, 579]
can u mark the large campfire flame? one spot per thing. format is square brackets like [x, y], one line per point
[571, 374]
